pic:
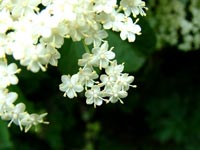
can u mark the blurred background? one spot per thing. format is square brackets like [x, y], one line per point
[162, 113]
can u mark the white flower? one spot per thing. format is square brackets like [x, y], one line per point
[107, 81]
[25, 7]
[105, 5]
[86, 60]
[129, 30]
[54, 55]
[57, 34]
[16, 114]
[6, 4]
[116, 94]
[70, 85]
[23, 38]
[43, 24]
[36, 58]
[96, 37]
[5, 21]
[7, 74]
[114, 69]
[133, 6]
[102, 56]
[29, 120]
[63, 9]
[3, 45]
[46, 2]
[6, 100]
[87, 76]
[18, 47]
[94, 96]
[112, 21]
[124, 81]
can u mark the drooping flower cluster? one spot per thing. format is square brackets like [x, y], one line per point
[176, 23]
[32, 31]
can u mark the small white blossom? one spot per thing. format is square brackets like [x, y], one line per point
[29, 120]
[70, 85]
[6, 100]
[87, 76]
[86, 60]
[94, 96]
[96, 37]
[129, 30]
[36, 58]
[102, 56]
[3, 45]
[114, 69]
[25, 7]
[46, 2]
[5, 21]
[43, 24]
[113, 21]
[54, 55]
[116, 94]
[7, 74]
[107, 81]
[124, 81]
[133, 6]
[106, 6]
[16, 114]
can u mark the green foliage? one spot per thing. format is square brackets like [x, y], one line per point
[5, 142]
[70, 53]
[173, 103]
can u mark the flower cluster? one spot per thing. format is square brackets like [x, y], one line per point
[113, 85]
[180, 25]
[32, 31]
[8, 110]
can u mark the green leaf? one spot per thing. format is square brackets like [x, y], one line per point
[125, 52]
[5, 142]
[70, 53]
[146, 42]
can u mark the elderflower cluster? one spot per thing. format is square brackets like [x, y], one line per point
[33, 31]
[8, 110]
[113, 85]
[176, 23]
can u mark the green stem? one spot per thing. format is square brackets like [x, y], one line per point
[86, 47]
[119, 9]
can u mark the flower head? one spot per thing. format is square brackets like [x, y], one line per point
[7, 74]
[70, 85]
[102, 56]
[94, 96]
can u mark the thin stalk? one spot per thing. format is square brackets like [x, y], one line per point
[86, 47]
